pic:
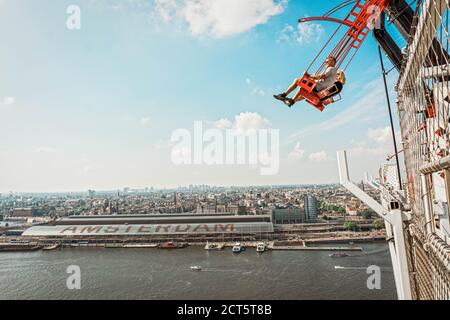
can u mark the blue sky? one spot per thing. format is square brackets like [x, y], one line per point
[95, 107]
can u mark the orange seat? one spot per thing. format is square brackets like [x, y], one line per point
[307, 83]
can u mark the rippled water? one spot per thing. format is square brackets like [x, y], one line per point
[165, 274]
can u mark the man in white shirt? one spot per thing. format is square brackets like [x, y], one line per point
[324, 81]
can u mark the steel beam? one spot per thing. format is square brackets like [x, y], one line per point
[360, 194]
[441, 164]
[394, 229]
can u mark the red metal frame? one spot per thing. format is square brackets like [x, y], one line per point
[331, 19]
[357, 21]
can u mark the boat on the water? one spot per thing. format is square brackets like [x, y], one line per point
[212, 246]
[261, 247]
[196, 268]
[238, 247]
[339, 255]
[113, 245]
[10, 247]
[52, 247]
[137, 245]
[172, 245]
[83, 243]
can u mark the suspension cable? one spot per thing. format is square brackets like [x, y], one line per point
[383, 71]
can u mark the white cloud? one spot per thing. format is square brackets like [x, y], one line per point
[318, 156]
[297, 153]
[218, 18]
[243, 121]
[304, 33]
[250, 120]
[223, 124]
[166, 10]
[309, 32]
[145, 120]
[9, 100]
[378, 143]
[380, 135]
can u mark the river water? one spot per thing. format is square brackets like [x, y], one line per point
[165, 274]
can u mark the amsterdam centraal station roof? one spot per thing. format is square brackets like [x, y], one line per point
[156, 224]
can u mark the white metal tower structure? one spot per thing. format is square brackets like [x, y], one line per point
[417, 219]
[423, 106]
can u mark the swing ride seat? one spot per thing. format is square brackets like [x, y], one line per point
[307, 85]
[359, 21]
[316, 99]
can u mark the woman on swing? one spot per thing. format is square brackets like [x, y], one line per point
[324, 81]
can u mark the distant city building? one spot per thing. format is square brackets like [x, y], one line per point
[352, 211]
[233, 208]
[193, 225]
[22, 212]
[221, 208]
[242, 210]
[310, 203]
[288, 216]
[91, 193]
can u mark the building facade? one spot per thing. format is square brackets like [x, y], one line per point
[288, 216]
[311, 205]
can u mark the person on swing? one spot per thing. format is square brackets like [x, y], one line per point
[324, 81]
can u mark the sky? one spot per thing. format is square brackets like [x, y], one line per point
[95, 107]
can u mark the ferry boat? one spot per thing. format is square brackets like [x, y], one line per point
[83, 243]
[196, 268]
[110, 245]
[338, 255]
[261, 247]
[172, 245]
[238, 247]
[12, 247]
[212, 246]
[137, 245]
[52, 247]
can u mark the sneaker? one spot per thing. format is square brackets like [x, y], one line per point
[280, 96]
[289, 102]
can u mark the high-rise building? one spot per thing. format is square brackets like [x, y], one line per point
[310, 207]
[288, 216]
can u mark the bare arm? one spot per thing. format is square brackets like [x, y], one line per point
[320, 76]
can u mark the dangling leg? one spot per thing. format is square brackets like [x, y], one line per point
[284, 95]
[297, 97]
[292, 86]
